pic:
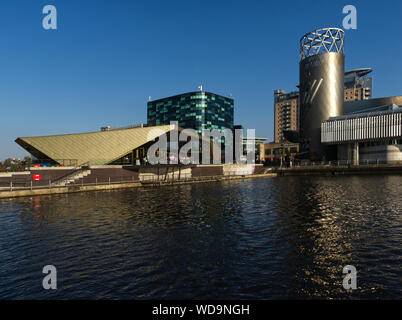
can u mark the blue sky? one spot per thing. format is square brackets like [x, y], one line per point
[106, 57]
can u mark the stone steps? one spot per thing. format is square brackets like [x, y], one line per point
[72, 178]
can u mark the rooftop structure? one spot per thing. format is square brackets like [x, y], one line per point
[355, 106]
[108, 128]
[320, 41]
[361, 72]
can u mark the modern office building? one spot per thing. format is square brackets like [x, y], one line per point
[286, 113]
[321, 86]
[193, 110]
[366, 136]
[358, 85]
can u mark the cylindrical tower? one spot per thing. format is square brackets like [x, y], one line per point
[322, 65]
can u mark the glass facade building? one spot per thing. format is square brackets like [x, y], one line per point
[193, 110]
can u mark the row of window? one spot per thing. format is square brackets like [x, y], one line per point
[277, 151]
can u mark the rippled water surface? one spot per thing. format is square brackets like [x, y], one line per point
[277, 238]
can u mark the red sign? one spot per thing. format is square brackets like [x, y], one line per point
[37, 177]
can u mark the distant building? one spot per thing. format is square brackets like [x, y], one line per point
[286, 113]
[193, 110]
[270, 152]
[358, 86]
[257, 142]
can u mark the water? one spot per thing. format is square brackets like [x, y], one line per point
[278, 238]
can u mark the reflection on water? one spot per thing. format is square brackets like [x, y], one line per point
[279, 238]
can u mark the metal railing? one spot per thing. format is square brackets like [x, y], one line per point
[337, 163]
[99, 181]
[49, 184]
[152, 179]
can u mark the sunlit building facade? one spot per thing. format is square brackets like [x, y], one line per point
[286, 113]
[193, 110]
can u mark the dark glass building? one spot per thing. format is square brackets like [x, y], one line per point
[193, 110]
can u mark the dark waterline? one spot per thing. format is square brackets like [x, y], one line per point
[279, 238]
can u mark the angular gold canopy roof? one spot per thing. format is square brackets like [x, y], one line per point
[96, 148]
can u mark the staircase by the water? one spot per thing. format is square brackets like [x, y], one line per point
[71, 178]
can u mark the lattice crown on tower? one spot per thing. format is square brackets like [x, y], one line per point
[322, 41]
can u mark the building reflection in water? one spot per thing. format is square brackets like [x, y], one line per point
[286, 237]
[328, 222]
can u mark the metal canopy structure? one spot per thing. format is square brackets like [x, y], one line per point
[95, 148]
[361, 72]
[322, 41]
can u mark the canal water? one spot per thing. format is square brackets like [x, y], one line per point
[271, 238]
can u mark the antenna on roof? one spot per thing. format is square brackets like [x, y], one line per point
[149, 98]
[200, 87]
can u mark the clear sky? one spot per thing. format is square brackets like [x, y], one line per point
[106, 57]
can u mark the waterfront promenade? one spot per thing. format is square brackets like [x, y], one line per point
[341, 169]
[158, 177]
